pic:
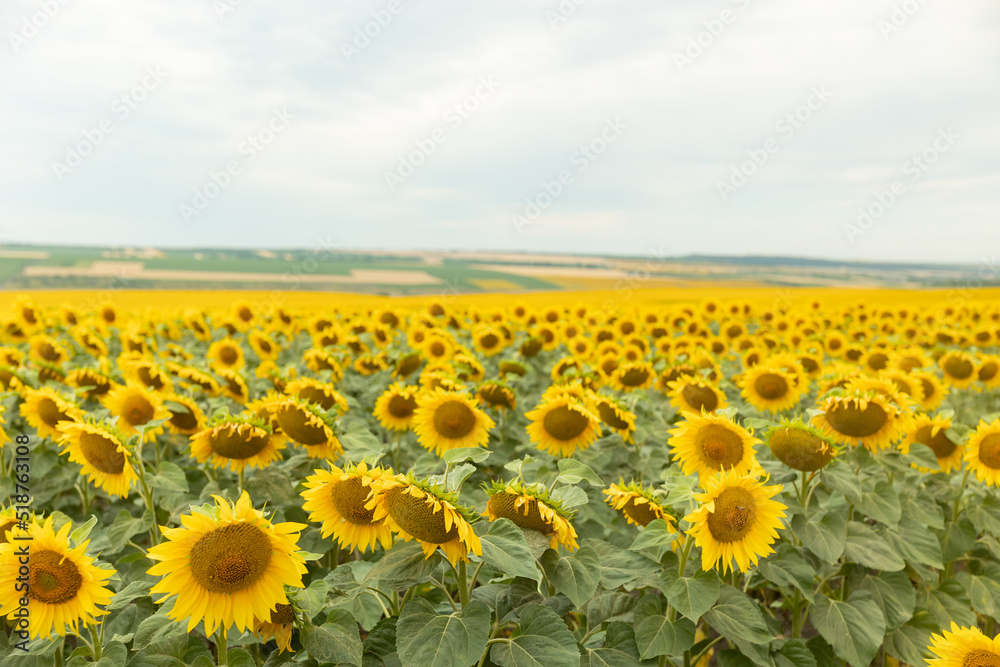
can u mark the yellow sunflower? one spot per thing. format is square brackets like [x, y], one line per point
[498, 395]
[771, 388]
[47, 411]
[394, 408]
[317, 392]
[227, 565]
[193, 378]
[407, 365]
[186, 417]
[225, 353]
[417, 510]
[278, 626]
[136, 406]
[710, 443]
[633, 375]
[933, 390]
[446, 420]
[637, 504]
[147, 373]
[488, 340]
[235, 385]
[308, 426]
[100, 449]
[337, 498]
[931, 431]
[737, 519]
[529, 506]
[318, 361]
[237, 442]
[989, 371]
[45, 348]
[982, 453]
[799, 446]
[562, 425]
[615, 416]
[960, 369]
[94, 383]
[964, 647]
[64, 586]
[865, 416]
[692, 393]
[263, 345]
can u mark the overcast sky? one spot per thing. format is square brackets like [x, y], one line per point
[722, 127]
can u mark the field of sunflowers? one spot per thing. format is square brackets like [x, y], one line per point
[541, 483]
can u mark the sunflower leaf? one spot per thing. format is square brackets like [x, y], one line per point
[359, 442]
[403, 566]
[787, 567]
[423, 637]
[572, 471]
[693, 596]
[824, 537]
[576, 575]
[458, 476]
[869, 548]
[570, 496]
[460, 454]
[657, 533]
[543, 641]
[657, 635]
[505, 549]
[619, 648]
[853, 627]
[737, 617]
[170, 477]
[838, 476]
[894, 593]
[80, 534]
[134, 591]
[337, 640]
[882, 504]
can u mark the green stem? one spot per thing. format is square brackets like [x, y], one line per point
[475, 576]
[239, 482]
[705, 649]
[220, 646]
[96, 647]
[961, 494]
[463, 584]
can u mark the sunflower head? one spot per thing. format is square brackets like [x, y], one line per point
[633, 375]
[964, 647]
[497, 394]
[237, 442]
[933, 433]
[337, 499]
[770, 387]
[136, 406]
[637, 503]
[103, 452]
[799, 446]
[395, 407]
[982, 453]
[710, 443]
[307, 425]
[530, 506]
[614, 415]
[563, 423]
[47, 411]
[317, 392]
[446, 420]
[693, 393]
[867, 417]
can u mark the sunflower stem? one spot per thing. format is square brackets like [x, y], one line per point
[220, 646]
[708, 647]
[96, 646]
[475, 575]
[463, 583]
[239, 482]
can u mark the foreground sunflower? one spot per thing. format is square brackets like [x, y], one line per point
[278, 626]
[446, 420]
[47, 411]
[337, 498]
[637, 503]
[709, 443]
[562, 425]
[529, 506]
[932, 432]
[982, 453]
[799, 446]
[615, 416]
[867, 417]
[227, 565]
[964, 647]
[237, 442]
[307, 425]
[395, 406]
[136, 406]
[737, 519]
[416, 510]
[100, 449]
[64, 586]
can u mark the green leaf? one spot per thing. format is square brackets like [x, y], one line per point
[838, 476]
[620, 567]
[794, 653]
[693, 596]
[337, 640]
[983, 592]
[925, 511]
[403, 566]
[657, 635]
[787, 567]
[868, 548]
[619, 649]
[895, 596]
[570, 496]
[656, 534]
[853, 627]
[458, 475]
[517, 466]
[114, 654]
[237, 657]
[985, 515]
[506, 550]
[923, 456]
[154, 628]
[824, 537]
[882, 504]
[273, 484]
[80, 533]
[135, 590]
[915, 543]
[572, 471]
[423, 637]
[358, 442]
[170, 477]
[382, 639]
[948, 602]
[959, 538]
[576, 575]
[909, 643]
[124, 527]
[460, 454]
[609, 606]
[543, 640]
[737, 617]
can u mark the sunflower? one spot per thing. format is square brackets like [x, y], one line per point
[135, 406]
[237, 442]
[561, 425]
[227, 564]
[45, 410]
[370, 364]
[865, 416]
[319, 360]
[964, 647]
[395, 406]
[318, 393]
[446, 420]
[932, 432]
[632, 375]
[94, 383]
[982, 453]
[737, 519]
[235, 386]
[3, 434]
[100, 449]
[498, 395]
[278, 626]
[186, 417]
[307, 425]
[960, 368]
[468, 368]
[614, 415]
[64, 586]
[417, 510]
[771, 388]
[336, 499]
[147, 373]
[989, 371]
[488, 340]
[933, 390]
[529, 506]
[407, 365]
[692, 393]
[799, 446]
[438, 346]
[193, 378]
[45, 348]
[709, 443]
[638, 504]
[512, 368]
[225, 353]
